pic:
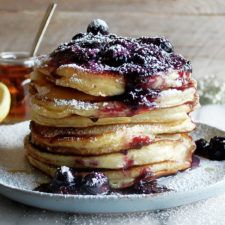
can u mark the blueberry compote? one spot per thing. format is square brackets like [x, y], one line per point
[214, 149]
[146, 184]
[67, 181]
[137, 59]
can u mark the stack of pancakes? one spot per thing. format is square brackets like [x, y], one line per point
[82, 117]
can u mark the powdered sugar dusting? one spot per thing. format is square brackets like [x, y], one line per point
[80, 105]
[208, 173]
[71, 65]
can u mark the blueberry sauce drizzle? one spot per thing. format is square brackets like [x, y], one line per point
[134, 58]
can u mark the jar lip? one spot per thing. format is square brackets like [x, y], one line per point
[17, 58]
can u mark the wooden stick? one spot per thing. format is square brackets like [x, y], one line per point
[43, 27]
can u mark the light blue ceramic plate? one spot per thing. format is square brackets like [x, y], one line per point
[18, 179]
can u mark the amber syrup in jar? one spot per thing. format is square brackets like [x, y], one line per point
[15, 69]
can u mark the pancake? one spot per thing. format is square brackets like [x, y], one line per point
[124, 178]
[154, 116]
[137, 143]
[91, 83]
[104, 139]
[87, 60]
[56, 102]
[160, 151]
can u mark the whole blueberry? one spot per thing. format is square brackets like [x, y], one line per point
[64, 175]
[115, 55]
[98, 26]
[95, 183]
[217, 148]
[65, 181]
[202, 147]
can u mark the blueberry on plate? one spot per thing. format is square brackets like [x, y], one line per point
[202, 147]
[65, 181]
[217, 148]
[65, 175]
[95, 183]
[98, 26]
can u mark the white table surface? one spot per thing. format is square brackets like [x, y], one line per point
[208, 212]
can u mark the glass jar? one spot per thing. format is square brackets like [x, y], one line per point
[15, 69]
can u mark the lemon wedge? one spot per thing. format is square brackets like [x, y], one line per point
[5, 101]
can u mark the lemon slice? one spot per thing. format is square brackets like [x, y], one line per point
[5, 100]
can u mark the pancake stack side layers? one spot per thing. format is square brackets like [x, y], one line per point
[113, 104]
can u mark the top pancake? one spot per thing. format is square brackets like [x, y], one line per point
[109, 65]
[108, 84]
